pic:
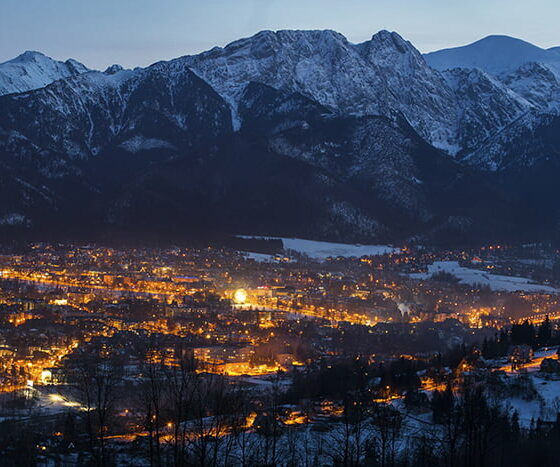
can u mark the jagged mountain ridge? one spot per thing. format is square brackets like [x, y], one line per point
[383, 76]
[527, 71]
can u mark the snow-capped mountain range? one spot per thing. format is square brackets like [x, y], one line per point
[379, 130]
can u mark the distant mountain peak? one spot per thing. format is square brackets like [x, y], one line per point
[503, 38]
[495, 54]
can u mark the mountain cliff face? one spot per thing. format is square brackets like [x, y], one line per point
[289, 132]
[487, 105]
[33, 70]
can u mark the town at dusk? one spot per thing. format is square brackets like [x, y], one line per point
[279, 234]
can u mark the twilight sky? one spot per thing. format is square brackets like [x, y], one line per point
[139, 32]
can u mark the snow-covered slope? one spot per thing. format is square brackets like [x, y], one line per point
[493, 54]
[538, 83]
[478, 277]
[33, 70]
[323, 250]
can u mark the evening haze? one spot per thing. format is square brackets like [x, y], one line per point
[140, 32]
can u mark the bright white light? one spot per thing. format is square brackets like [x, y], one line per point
[240, 296]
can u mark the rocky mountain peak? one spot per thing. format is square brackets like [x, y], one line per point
[112, 69]
[34, 70]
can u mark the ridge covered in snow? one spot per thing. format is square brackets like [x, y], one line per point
[383, 76]
[386, 75]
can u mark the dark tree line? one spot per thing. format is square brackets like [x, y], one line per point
[525, 333]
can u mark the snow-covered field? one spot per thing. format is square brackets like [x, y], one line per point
[322, 250]
[259, 257]
[474, 276]
[545, 406]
